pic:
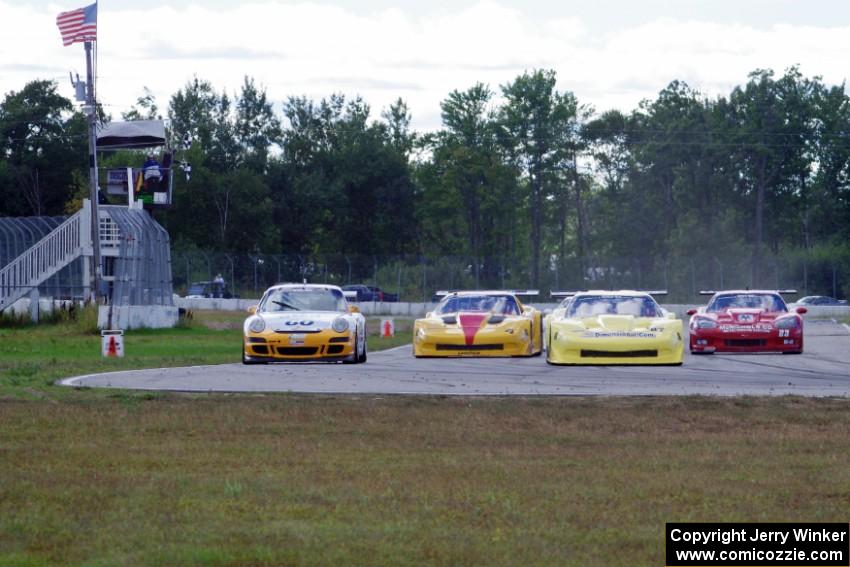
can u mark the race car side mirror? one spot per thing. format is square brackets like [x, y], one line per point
[802, 310]
[353, 309]
[252, 309]
[692, 311]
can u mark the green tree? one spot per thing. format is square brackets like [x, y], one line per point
[469, 203]
[343, 183]
[533, 120]
[772, 128]
[397, 119]
[227, 203]
[42, 142]
[257, 129]
[673, 141]
[826, 207]
[145, 108]
[202, 115]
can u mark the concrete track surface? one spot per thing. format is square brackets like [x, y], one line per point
[823, 370]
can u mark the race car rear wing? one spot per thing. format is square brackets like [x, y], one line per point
[350, 295]
[782, 291]
[518, 292]
[524, 292]
[562, 294]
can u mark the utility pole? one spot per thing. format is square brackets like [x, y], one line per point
[91, 113]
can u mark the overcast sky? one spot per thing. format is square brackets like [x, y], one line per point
[610, 53]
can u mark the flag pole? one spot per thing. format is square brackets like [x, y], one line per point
[91, 113]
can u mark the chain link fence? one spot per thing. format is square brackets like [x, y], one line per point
[416, 278]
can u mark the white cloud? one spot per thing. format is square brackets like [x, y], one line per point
[316, 49]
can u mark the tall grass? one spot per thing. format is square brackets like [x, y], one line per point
[85, 319]
[399, 481]
[82, 316]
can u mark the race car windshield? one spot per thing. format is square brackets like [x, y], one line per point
[304, 300]
[765, 301]
[501, 304]
[592, 305]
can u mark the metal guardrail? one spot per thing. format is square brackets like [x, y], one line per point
[44, 259]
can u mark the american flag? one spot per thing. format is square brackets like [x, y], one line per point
[78, 25]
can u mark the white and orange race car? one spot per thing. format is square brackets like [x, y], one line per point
[304, 322]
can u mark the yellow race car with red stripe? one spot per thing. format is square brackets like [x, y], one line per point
[480, 323]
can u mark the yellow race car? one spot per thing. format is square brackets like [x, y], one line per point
[304, 322]
[479, 323]
[612, 327]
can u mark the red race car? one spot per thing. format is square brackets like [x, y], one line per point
[746, 321]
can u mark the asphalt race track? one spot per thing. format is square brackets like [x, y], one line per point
[822, 370]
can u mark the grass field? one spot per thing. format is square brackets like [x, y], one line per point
[291, 480]
[33, 357]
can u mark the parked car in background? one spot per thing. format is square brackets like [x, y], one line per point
[213, 289]
[370, 293]
[819, 300]
[384, 295]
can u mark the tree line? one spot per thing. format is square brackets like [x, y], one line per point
[524, 174]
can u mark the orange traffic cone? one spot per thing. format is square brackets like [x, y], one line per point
[112, 343]
[387, 329]
[112, 349]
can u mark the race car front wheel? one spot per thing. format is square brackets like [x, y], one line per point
[539, 340]
[362, 357]
[246, 360]
[357, 357]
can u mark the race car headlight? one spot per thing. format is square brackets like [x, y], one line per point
[339, 325]
[420, 334]
[705, 324]
[257, 325]
[787, 323]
